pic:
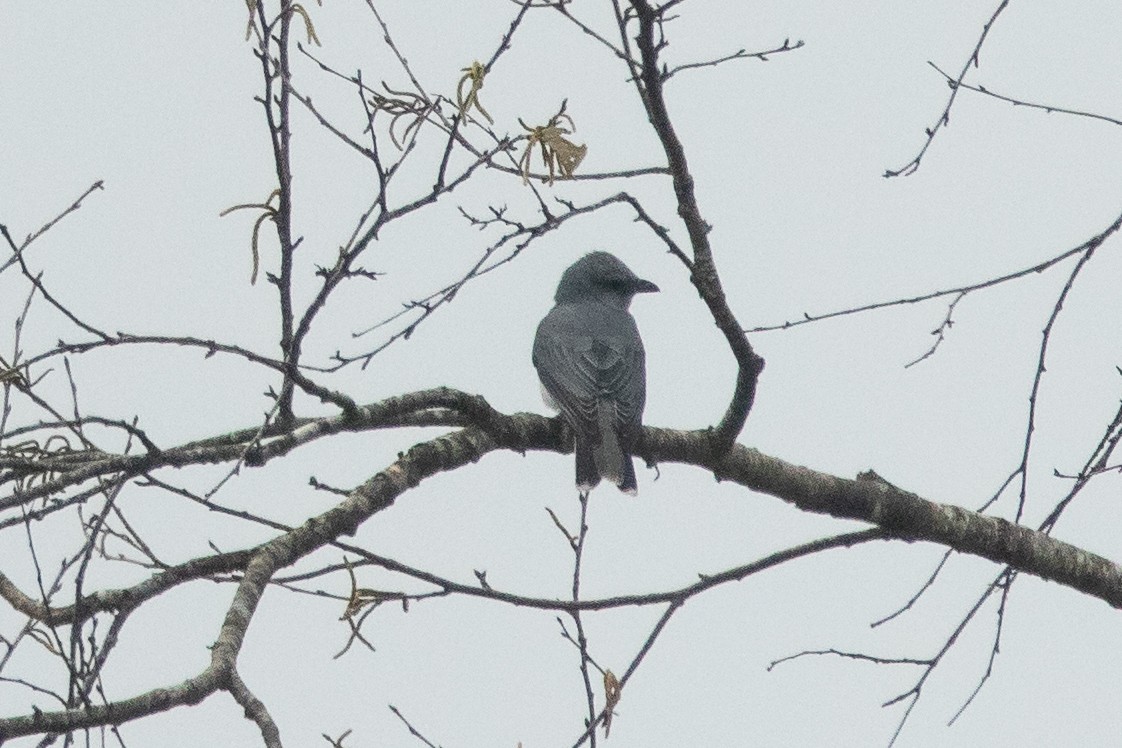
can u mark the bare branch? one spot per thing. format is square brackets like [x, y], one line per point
[1047, 108]
[944, 119]
[703, 273]
[1045, 338]
[741, 54]
[255, 710]
[1091, 243]
[98, 185]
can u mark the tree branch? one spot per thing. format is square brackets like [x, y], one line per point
[703, 274]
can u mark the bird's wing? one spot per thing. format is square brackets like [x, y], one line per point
[559, 348]
[623, 381]
[590, 357]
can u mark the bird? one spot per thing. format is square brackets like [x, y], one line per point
[592, 366]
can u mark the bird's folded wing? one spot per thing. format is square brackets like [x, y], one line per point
[580, 370]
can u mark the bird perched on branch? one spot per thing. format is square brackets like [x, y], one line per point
[592, 366]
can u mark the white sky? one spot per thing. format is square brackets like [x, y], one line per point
[156, 99]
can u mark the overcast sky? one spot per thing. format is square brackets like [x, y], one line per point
[156, 101]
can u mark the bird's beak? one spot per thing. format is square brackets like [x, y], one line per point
[644, 286]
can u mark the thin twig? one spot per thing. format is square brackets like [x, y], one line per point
[944, 119]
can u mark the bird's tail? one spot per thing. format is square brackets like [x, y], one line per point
[612, 460]
[627, 482]
[588, 475]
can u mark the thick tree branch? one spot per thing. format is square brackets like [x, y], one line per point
[902, 514]
[898, 513]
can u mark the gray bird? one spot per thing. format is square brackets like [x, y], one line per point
[590, 359]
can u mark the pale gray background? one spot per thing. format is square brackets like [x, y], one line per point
[156, 99]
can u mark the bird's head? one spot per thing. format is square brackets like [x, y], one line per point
[600, 276]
